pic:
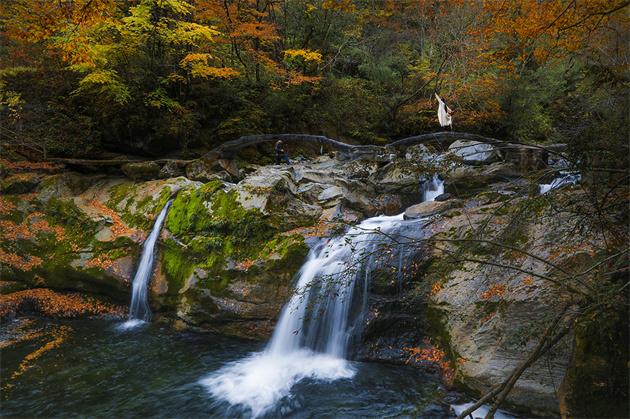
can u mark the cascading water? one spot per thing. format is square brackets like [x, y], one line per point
[432, 188]
[139, 311]
[312, 336]
[565, 178]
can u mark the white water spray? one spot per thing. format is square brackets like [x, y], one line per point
[432, 188]
[565, 178]
[316, 326]
[139, 311]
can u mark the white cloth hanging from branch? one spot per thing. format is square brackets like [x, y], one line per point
[444, 113]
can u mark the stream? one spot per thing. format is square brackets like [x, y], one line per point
[153, 370]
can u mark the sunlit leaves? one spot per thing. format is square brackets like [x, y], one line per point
[197, 66]
[304, 54]
[105, 82]
[192, 34]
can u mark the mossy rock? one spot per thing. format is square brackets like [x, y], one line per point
[142, 170]
[20, 183]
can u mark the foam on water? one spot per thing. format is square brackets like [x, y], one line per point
[480, 412]
[130, 324]
[432, 188]
[262, 379]
[565, 178]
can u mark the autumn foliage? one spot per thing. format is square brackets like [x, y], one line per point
[153, 75]
[432, 355]
[50, 303]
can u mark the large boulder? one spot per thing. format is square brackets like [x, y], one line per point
[397, 176]
[272, 191]
[426, 209]
[474, 152]
[489, 304]
[63, 185]
[464, 180]
[170, 169]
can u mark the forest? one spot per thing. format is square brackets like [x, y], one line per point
[152, 77]
[315, 208]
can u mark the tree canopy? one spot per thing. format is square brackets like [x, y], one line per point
[152, 76]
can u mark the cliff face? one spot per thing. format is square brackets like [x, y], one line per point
[229, 250]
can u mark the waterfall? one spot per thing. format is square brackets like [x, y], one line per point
[432, 188]
[565, 178]
[315, 328]
[139, 310]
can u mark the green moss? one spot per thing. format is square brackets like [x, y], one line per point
[120, 247]
[137, 213]
[66, 214]
[176, 265]
[289, 252]
[438, 330]
[204, 244]
[214, 231]
[189, 214]
[120, 192]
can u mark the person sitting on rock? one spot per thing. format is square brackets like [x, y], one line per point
[281, 154]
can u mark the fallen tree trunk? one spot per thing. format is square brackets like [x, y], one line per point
[112, 162]
[443, 137]
[227, 149]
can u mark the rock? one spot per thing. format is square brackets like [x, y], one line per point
[526, 158]
[272, 191]
[205, 171]
[142, 170]
[339, 214]
[170, 170]
[369, 153]
[20, 183]
[329, 193]
[420, 153]
[359, 169]
[310, 192]
[388, 204]
[493, 316]
[230, 167]
[474, 152]
[466, 181]
[397, 176]
[426, 209]
[63, 185]
[443, 197]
